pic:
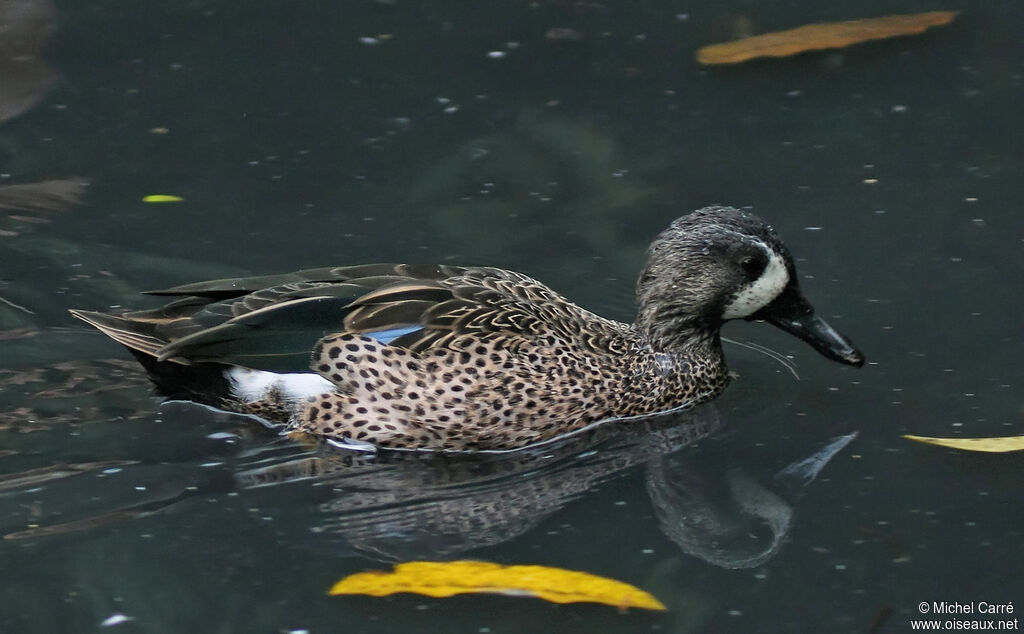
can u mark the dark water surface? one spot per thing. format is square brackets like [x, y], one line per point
[303, 134]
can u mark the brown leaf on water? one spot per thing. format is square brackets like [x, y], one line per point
[25, 27]
[52, 195]
[814, 37]
[1001, 444]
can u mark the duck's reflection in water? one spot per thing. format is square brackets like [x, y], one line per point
[397, 506]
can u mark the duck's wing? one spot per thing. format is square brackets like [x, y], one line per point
[273, 322]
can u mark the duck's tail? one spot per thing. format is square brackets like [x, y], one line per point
[134, 335]
[174, 379]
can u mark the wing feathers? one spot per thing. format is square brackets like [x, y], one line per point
[273, 322]
[123, 331]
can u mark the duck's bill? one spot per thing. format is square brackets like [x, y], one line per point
[794, 314]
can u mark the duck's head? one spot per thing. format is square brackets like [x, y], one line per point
[720, 263]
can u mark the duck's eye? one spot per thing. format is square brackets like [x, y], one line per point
[752, 267]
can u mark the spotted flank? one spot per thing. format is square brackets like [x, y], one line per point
[447, 358]
[482, 398]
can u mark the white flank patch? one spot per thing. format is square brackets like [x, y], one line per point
[761, 291]
[254, 385]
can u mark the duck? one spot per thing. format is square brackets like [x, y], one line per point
[445, 358]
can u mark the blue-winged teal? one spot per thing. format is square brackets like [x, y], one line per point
[470, 358]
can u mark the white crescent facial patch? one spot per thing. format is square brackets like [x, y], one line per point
[759, 293]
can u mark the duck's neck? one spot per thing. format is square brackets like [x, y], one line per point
[689, 363]
[670, 334]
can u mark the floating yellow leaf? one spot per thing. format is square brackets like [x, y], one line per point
[990, 445]
[162, 198]
[813, 37]
[444, 579]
